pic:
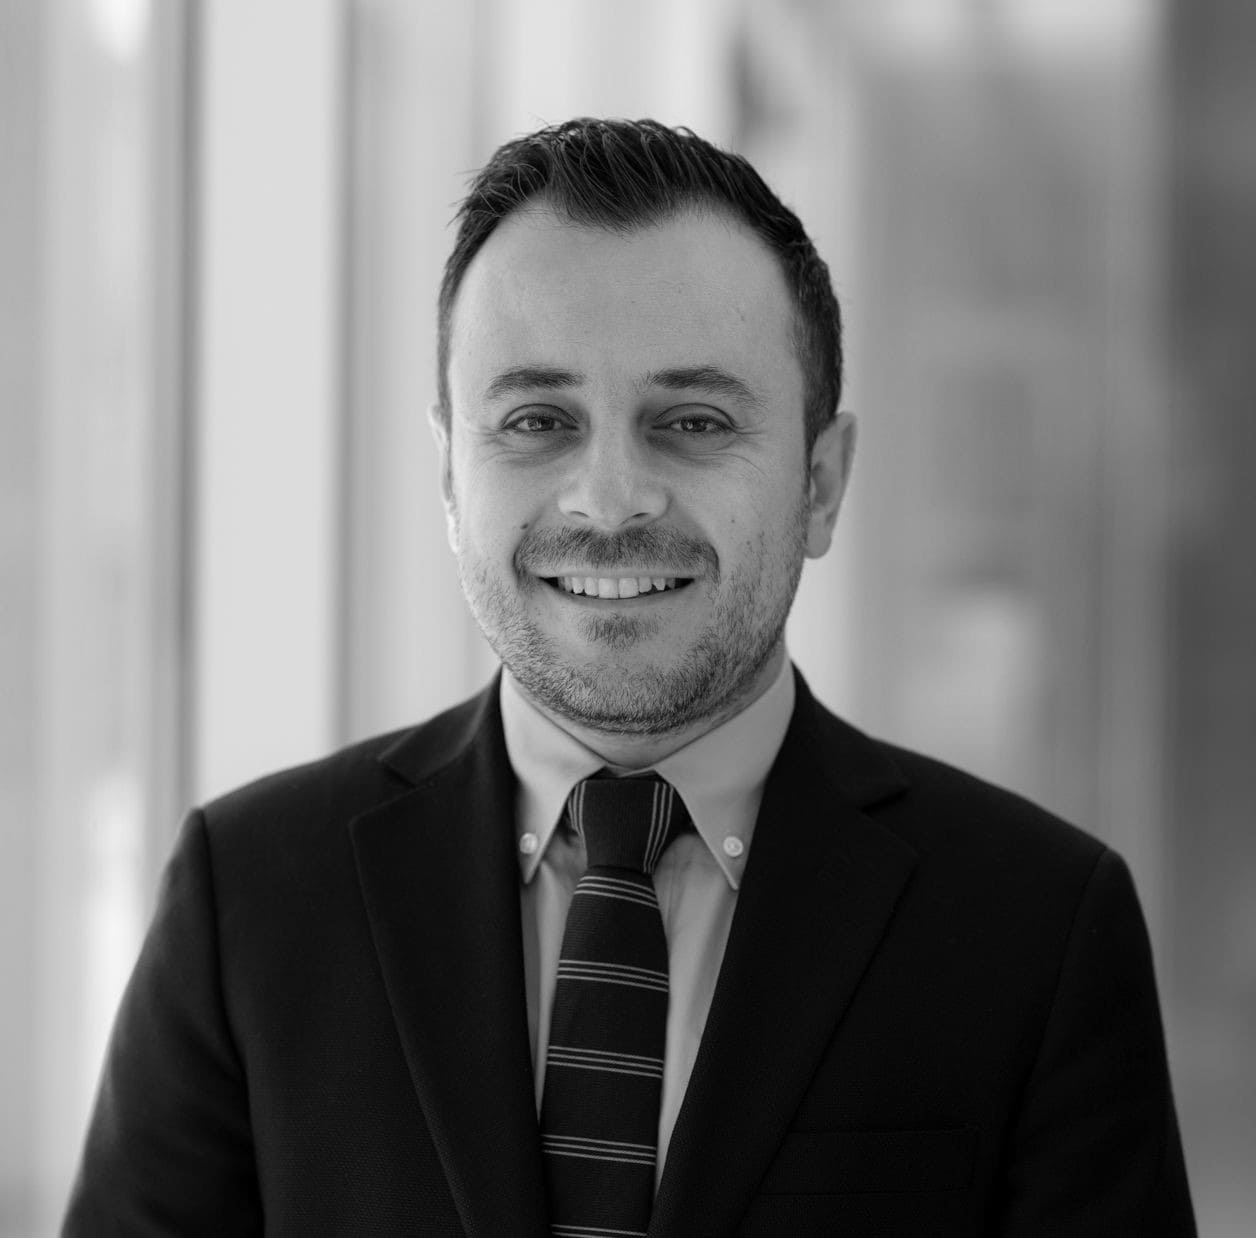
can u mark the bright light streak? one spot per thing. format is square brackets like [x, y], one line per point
[113, 904]
[121, 25]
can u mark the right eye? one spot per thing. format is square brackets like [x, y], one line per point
[534, 421]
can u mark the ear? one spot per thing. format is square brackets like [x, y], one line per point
[831, 458]
[438, 421]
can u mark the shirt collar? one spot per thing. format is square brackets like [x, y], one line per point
[720, 775]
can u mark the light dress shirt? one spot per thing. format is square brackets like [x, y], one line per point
[720, 777]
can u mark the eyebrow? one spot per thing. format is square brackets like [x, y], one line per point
[523, 378]
[519, 379]
[708, 378]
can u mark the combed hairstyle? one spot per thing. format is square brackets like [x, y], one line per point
[628, 174]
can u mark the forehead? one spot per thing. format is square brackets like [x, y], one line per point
[695, 288]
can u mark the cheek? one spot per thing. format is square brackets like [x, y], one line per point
[762, 540]
[489, 525]
[499, 490]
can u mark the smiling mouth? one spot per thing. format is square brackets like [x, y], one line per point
[613, 588]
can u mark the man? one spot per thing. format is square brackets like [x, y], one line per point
[422, 987]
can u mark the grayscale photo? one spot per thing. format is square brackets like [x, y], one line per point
[627, 620]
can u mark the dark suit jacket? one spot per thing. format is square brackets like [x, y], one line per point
[936, 1015]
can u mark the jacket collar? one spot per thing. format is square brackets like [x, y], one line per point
[860, 771]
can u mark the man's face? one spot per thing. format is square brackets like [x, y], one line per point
[626, 478]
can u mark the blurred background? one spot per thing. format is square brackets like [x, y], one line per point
[221, 546]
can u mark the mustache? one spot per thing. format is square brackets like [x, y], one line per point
[659, 547]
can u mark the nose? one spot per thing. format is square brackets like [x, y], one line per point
[612, 482]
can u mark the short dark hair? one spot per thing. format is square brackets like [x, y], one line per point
[625, 174]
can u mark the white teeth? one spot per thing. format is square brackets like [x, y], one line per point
[612, 587]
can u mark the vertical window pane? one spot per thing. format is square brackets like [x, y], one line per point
[90, 574]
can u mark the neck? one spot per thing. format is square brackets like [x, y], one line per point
[644, 751]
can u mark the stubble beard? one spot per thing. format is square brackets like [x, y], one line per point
[615, 694]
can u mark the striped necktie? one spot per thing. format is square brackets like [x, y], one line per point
[604, 1066]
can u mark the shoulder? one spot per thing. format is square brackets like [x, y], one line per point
[956, 822]
[332, 790]
[945, 805]
[998, 884]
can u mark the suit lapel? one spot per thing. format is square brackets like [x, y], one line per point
[441, 883]
[440, 880]
[817, 895]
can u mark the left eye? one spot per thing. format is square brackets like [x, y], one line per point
[697, 424]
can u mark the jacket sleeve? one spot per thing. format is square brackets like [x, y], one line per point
[169, 1149]
[1094, 1149]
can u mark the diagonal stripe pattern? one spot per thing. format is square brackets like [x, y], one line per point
[604, 1064]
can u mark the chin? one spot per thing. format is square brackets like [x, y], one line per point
[613, 708]
[649, 694]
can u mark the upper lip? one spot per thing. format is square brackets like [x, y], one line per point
[616, 573]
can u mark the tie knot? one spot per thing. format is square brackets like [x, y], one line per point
[626, 822]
